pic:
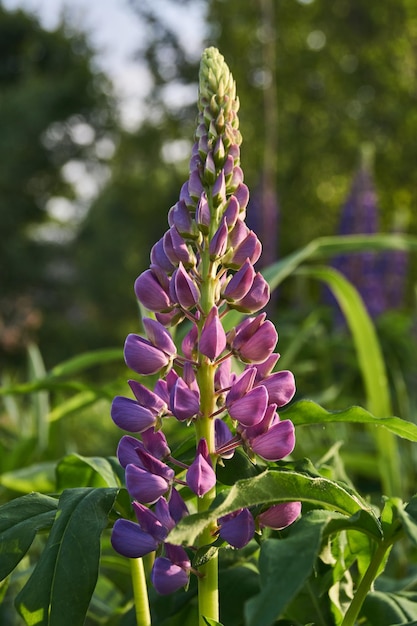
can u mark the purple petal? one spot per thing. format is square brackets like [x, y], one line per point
[241, 386]
[150, 293]
[184, 402]
[129, 415]
[250, 409]
[250, 248]
[163, 514]
[177, 507]
[184, 290]
[144, 486]
[149, 522]
[256, 298]
[159, 336]
[260, 346]
[156, 443]
[160, 259]
[240, 283]
[218, 243]
[154, 465]
[127, 451]
[189, 343]
[147, 398]
[223, 435]
[177, 555]
[167, 577]
[213, 337]
[129, 540]
[280, 387]
[200, 476]
[280, 515]
[142, 357]
[237, 528]
[276, 443]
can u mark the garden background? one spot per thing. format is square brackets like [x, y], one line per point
[329, 119]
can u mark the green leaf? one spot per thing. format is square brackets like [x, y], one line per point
[326, 247]
[306, 412]
[60, 588]
[386, 609]
[211, 622]
[84, 361]
[278, 486]
[75, 470]
[74, 404]
[37, 477]
[372, 366]
[20, 520]
[285, 565]
[239, 466]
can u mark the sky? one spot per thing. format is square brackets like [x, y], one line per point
[115, 32]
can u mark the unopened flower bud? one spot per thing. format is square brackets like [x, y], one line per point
[213, 337]
[218, 244]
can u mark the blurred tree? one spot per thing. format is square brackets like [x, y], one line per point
[315, 84]
[55, 111]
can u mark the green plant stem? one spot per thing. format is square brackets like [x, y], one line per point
[365, 584]
[140, 593]
[208, 594]
[208, 597]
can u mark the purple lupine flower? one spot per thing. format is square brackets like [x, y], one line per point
[279, 516]
[200, 269]
[151, 293]
[213, 338]
[130, 540]
[183, 401]
[237, 528]
[130, 415]
[168, 577]
[200, 475]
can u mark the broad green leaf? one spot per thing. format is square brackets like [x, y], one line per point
[285, 565]
[372, 366]
[306, 412]
[387, 609]
[237, 584]
[60, 588]
[277, 486]
[75, 470]
[37, 477]
[20, 520]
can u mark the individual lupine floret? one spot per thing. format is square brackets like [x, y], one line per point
[237, 528]
[201, 476]
[213, 338]
[253, 340]
[150, 356]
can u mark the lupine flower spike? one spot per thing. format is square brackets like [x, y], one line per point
[220, 382]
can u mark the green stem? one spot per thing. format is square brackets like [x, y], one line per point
[208, 595]
[140, 593]
[365, 584]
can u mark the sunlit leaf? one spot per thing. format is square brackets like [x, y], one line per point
[306, 412]
[277, 486]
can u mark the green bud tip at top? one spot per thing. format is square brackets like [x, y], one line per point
[217, 96]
